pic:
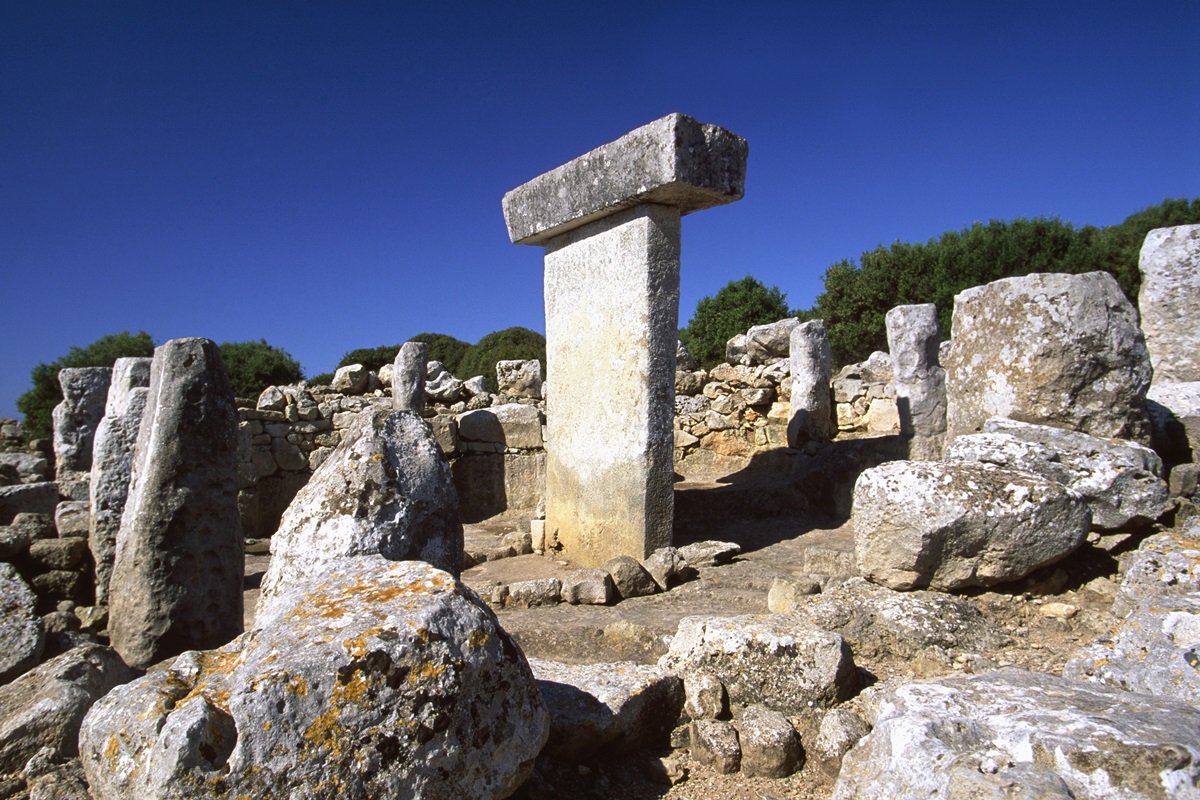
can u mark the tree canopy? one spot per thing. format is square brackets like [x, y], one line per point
[253, 366]
[732, 310]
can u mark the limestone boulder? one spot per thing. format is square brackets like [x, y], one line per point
[1013, 733]
[1170, 290]
[24, 468]
[767, 344]
[811, 414]
[1121, 481]
[520, 378]
[21, 635]
[952, 525]
[607, 708]
[512, 425]
[374, 678]
[45, 706]
[776, 660]
[27, 498]
[407, 376]
[85, 390]
[386, 488]
[737, 350]
[350, 379]
[683, 359]
[1174, 413]
[1166, 565]
[1052, 349]
[770, 745]
[440, 385]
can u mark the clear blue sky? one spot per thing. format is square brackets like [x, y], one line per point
[328, 176]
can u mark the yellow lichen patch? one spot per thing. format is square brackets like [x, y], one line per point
[298, 686]
[327, 733]
[356, 647]
[354, 690]
[112, 747]
[426, 671]
[478, 638]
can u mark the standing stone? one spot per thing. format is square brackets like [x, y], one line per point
[1170, 294]
[913, 336]
[610, 223]
[177, 576]
[76, 417]
[408, 377]
[811, 418]
[112, 462]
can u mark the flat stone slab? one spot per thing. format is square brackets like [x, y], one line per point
[673, 161]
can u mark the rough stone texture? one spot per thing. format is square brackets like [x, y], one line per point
[876, 621]
[715, 744]
[24, 468]
[21, 633]
[1121, 481]
[777, 660]
[709, 553]
[177, 573]
[350, 379]
[520, 378]
[674, 161]
[408, 377]
[45, 706]
[1003, 733]
[953, 525]
[913, 336]
[112, 462]
[606, 708]
[630, 578]
[810, 416]
[1174, 412]
[770, 745]
[49, 554]
[72, 518]
[440, 385]
[512, 425]
[612, 310]
[666, 566]
[1170, 265]
[491, 483]
[588, 586]
[27, 498]
[1166, 564]
[533, 593]
[683, 359]
[767, 344]
[385, 489]
[374, 679]
[840, 730]
[704, 696]
[1061, 350]
[76, 417]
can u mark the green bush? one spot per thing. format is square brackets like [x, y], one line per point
[446, 349]
[370, 357]
[253, 366]
[321, 379]
[732, 310]
[509, 344]
[37, 404]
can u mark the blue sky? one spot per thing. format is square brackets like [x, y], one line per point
[328, 176]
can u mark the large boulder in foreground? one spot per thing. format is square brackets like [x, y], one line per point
[1053, 349]
[1121, 481]
[953, 525]
[374, 678]
[1020, 734]
[385, 489]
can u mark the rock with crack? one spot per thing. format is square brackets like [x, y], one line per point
[21, 633]
[373, 678]
[1015, 733]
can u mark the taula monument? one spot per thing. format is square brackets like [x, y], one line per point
[610, 224]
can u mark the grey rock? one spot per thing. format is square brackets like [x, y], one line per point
[27, 498]
[1052, 349]
[287, 455]
[45, 706]
[953, 525]
[512, 425]
[351, 379]
[440, 385]
[25, 467]
[271, 399]
[704, 696]
[587, 587]
[840, 730]
[709, 553]
[408, 377]
[520, 378]
[630, 578]
[784, 594]
[1000, 733]
[770, 745]
[737, 350]
[811, 416]
[666, 566]
[776, 660]
[913, 335]
[1170, 266]
[1174, 413]
[533, 593]
[1166, 565]
[715, 744]
[72, 518]
[177, 570]
[373, 679]
[386, 489]
[683, 359]
[606, 708]
[55, 781]
[85, 390]
[767, 344]
[21, 634]
[50, 554]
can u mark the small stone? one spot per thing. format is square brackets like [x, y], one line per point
[539, 592]
[715, 744]
[709, 553]
[704, 696]
[630, 577]
[666, 566]
[1058, 610]
[840, 730]
[72, 518]
[770, 745]
[588, 587]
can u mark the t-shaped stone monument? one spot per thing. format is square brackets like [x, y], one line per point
[609, 221]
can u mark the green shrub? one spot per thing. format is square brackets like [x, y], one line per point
[509, 344]
[446, 349]
[732, 310]
[253, 366]
[370, 357]
[322, 379]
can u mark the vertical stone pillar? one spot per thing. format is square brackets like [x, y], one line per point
[610, 224]
[914, 338]
[85, 390]
[810, 412]
[1170, 294]
[408, 377]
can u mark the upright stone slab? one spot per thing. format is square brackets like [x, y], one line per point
[112, 462]
[609, 221]
[408, 377]
[76, 417]
[810, 412]
[1168, 299]
[913, 337]
[177, 576]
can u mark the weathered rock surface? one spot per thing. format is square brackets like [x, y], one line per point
[76, 417]
[1170, 265]
[1174, 412]
[21, 634]
[408, 377]
[177, 572]
[440, 385]
[385, 489]
[766, 344]
[607, 708]
[776, 660]
[23, 468]
[770, 745]
[373, 679]
[1121, 481]
[1166, 564]
[351, 379]
[913, 336]
[877, 621]
[112, 462]
[953, 525]
[45, 706]
[715, 744]
[629, 577]
[511, 425]
[1002, 733]
[27, 498]
[520, 378]
[810, 415]
[1053, 349]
